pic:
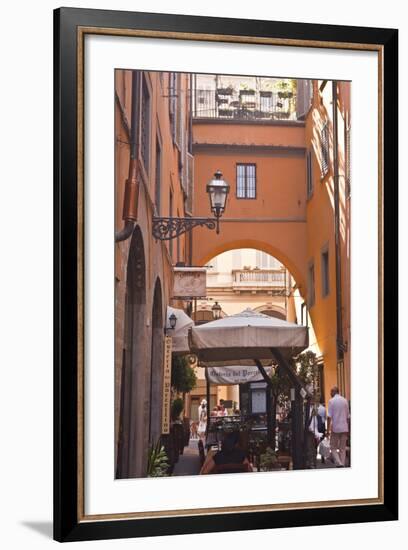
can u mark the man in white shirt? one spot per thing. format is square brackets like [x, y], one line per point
[338, 418]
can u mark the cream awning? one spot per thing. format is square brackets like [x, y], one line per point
[246, 335]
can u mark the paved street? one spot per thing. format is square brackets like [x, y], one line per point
[189, 462]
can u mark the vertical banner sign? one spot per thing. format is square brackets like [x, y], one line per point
[166, 385]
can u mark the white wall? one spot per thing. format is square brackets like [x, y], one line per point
[26, 296]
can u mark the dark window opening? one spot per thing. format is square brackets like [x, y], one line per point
[246, 181]
[325, 273]
[157, 193]
[145, 127]
[309, 174]
[311, 285]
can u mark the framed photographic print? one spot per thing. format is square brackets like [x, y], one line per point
[225, 274]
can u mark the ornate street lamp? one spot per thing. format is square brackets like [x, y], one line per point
[218, 190]
[172, 321]
[216, 311]
[166, 229]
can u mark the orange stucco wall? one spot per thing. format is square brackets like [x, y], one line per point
[282, 220]
[159, 257]
[274, 221]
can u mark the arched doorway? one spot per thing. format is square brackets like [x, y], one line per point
[273, 311]
[130, 437]
[156, 367]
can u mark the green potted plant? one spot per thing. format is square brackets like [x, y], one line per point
[269, 461]
[229, 90]
[177, 408]
[157, 461]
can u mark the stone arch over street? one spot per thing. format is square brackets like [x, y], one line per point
[212, 248]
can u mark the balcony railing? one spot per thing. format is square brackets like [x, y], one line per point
[244, 105]
[254, 277]
[265, 280]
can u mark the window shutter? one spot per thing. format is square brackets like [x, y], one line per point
[325, 149]
[303, 97]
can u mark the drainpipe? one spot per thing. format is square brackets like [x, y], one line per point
[339, 315]
[130, 201]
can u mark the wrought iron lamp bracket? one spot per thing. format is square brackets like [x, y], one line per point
[165, 229]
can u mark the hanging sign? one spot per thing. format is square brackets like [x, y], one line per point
[235, 375]
[166, 385]
[190, 282]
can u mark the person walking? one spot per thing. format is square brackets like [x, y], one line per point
[202, 422]
[321, 423]
[321, 413]
[312, 434]
[338, 419]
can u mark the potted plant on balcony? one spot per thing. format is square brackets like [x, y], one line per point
[284, 89]
[229, 90]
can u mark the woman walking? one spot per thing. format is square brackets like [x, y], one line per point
[202, 422]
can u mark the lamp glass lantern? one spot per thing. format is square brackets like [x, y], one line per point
[216, 311]
[218, 190]
[172, 321]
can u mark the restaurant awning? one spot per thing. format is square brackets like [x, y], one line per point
[238, 374]
[246, 335]
[179, 334]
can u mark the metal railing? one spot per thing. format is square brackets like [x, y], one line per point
[244, 105]
[255, 277]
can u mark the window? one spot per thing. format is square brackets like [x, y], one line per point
[172, 103]
[266, 102]
[309, 174]
[325, 273]
[246, 181]
[157, 191]
[325, 149]
[311, 285]
[145, 126]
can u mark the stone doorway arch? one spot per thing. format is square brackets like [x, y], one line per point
[130, 460]
[156, 365]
